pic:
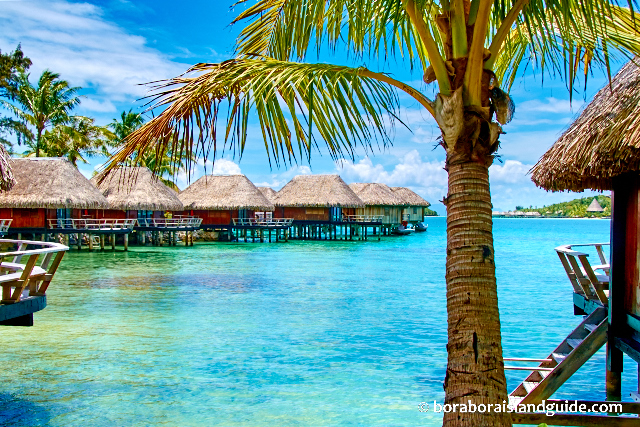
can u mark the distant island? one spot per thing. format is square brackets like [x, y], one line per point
[577, 208]
[430, 212]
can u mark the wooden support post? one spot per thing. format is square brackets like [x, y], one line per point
[379, 233]
[173, 238]
[624, 201]
[126, 241]
[80, 235]
[90, 238]
[19, 236]
[113, 242]
[102, 242]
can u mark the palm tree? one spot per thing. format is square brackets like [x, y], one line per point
[471, 49]
[78, 139]
[128, 123]
[45, 105]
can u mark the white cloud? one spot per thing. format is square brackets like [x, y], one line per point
[511, 172]
[278, 180]
[74, 40]
[91, 104]
[225, 167]
[549, 105]
[429, 179]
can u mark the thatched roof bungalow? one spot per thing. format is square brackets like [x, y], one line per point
[415, 205]
[134, 192]
[317, 198]
[379, 200]
[601, 151]
[602, 143]
[269, 193]
[48, 188]
[218, 199]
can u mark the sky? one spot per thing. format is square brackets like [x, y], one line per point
[112, 49]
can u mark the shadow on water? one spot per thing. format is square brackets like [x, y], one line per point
[18, 412]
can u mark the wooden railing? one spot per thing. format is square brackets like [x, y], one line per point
[591, 281]
[16, 275]
[259, 222]
[178, 222]
[363, 218]
[4, 226]
[104, 224]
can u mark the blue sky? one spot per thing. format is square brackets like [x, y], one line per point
[111, 48]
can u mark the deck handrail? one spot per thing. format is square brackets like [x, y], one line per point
[93, 224]
[582, 275]
[363, 218]
[15, 276]
[179, 222]
[268, 222]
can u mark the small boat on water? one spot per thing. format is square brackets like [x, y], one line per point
[401, 230]
[421, 226]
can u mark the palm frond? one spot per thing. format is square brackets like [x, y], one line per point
[294, 104]
[287, 29]
[569, 39]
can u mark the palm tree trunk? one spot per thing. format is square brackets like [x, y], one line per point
[475, 371]
[38, 138]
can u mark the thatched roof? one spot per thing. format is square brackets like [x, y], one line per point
[317, 191]
[224, 192]
[374, 194]
[6, 176]
[268, 192]
[603, 142]
[595, 206]
[135, 188]
[410, 197]
[51, 183]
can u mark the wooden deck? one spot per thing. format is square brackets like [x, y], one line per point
[25, 275]
[92, 226]
[168, 224]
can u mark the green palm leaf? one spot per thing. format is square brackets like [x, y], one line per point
[343, 106]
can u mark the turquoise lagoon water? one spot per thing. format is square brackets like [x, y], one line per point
[292, 334]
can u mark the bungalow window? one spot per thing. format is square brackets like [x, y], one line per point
[415, 210]
[387, 211]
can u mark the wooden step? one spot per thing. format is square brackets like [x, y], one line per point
[541, 384]
[590, 326]
[558, 357]
[574, 342]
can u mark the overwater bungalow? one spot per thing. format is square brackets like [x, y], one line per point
[320, 206]
[415, 205]
[49, 194]
[380, 201]
[224, 202]
[134, 193]
[599, 151]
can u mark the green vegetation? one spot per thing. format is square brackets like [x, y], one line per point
[430, 212]
[576, 208]
[11, 64]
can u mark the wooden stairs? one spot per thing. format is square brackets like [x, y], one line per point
[563, 362]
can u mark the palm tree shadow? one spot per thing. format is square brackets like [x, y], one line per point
[18, 412]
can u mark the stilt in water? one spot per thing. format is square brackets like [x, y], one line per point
[113, 242]
[126, 241]
[80, 236]
[102, 242]
[90, 238]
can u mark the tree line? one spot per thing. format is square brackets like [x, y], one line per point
[40, 120]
